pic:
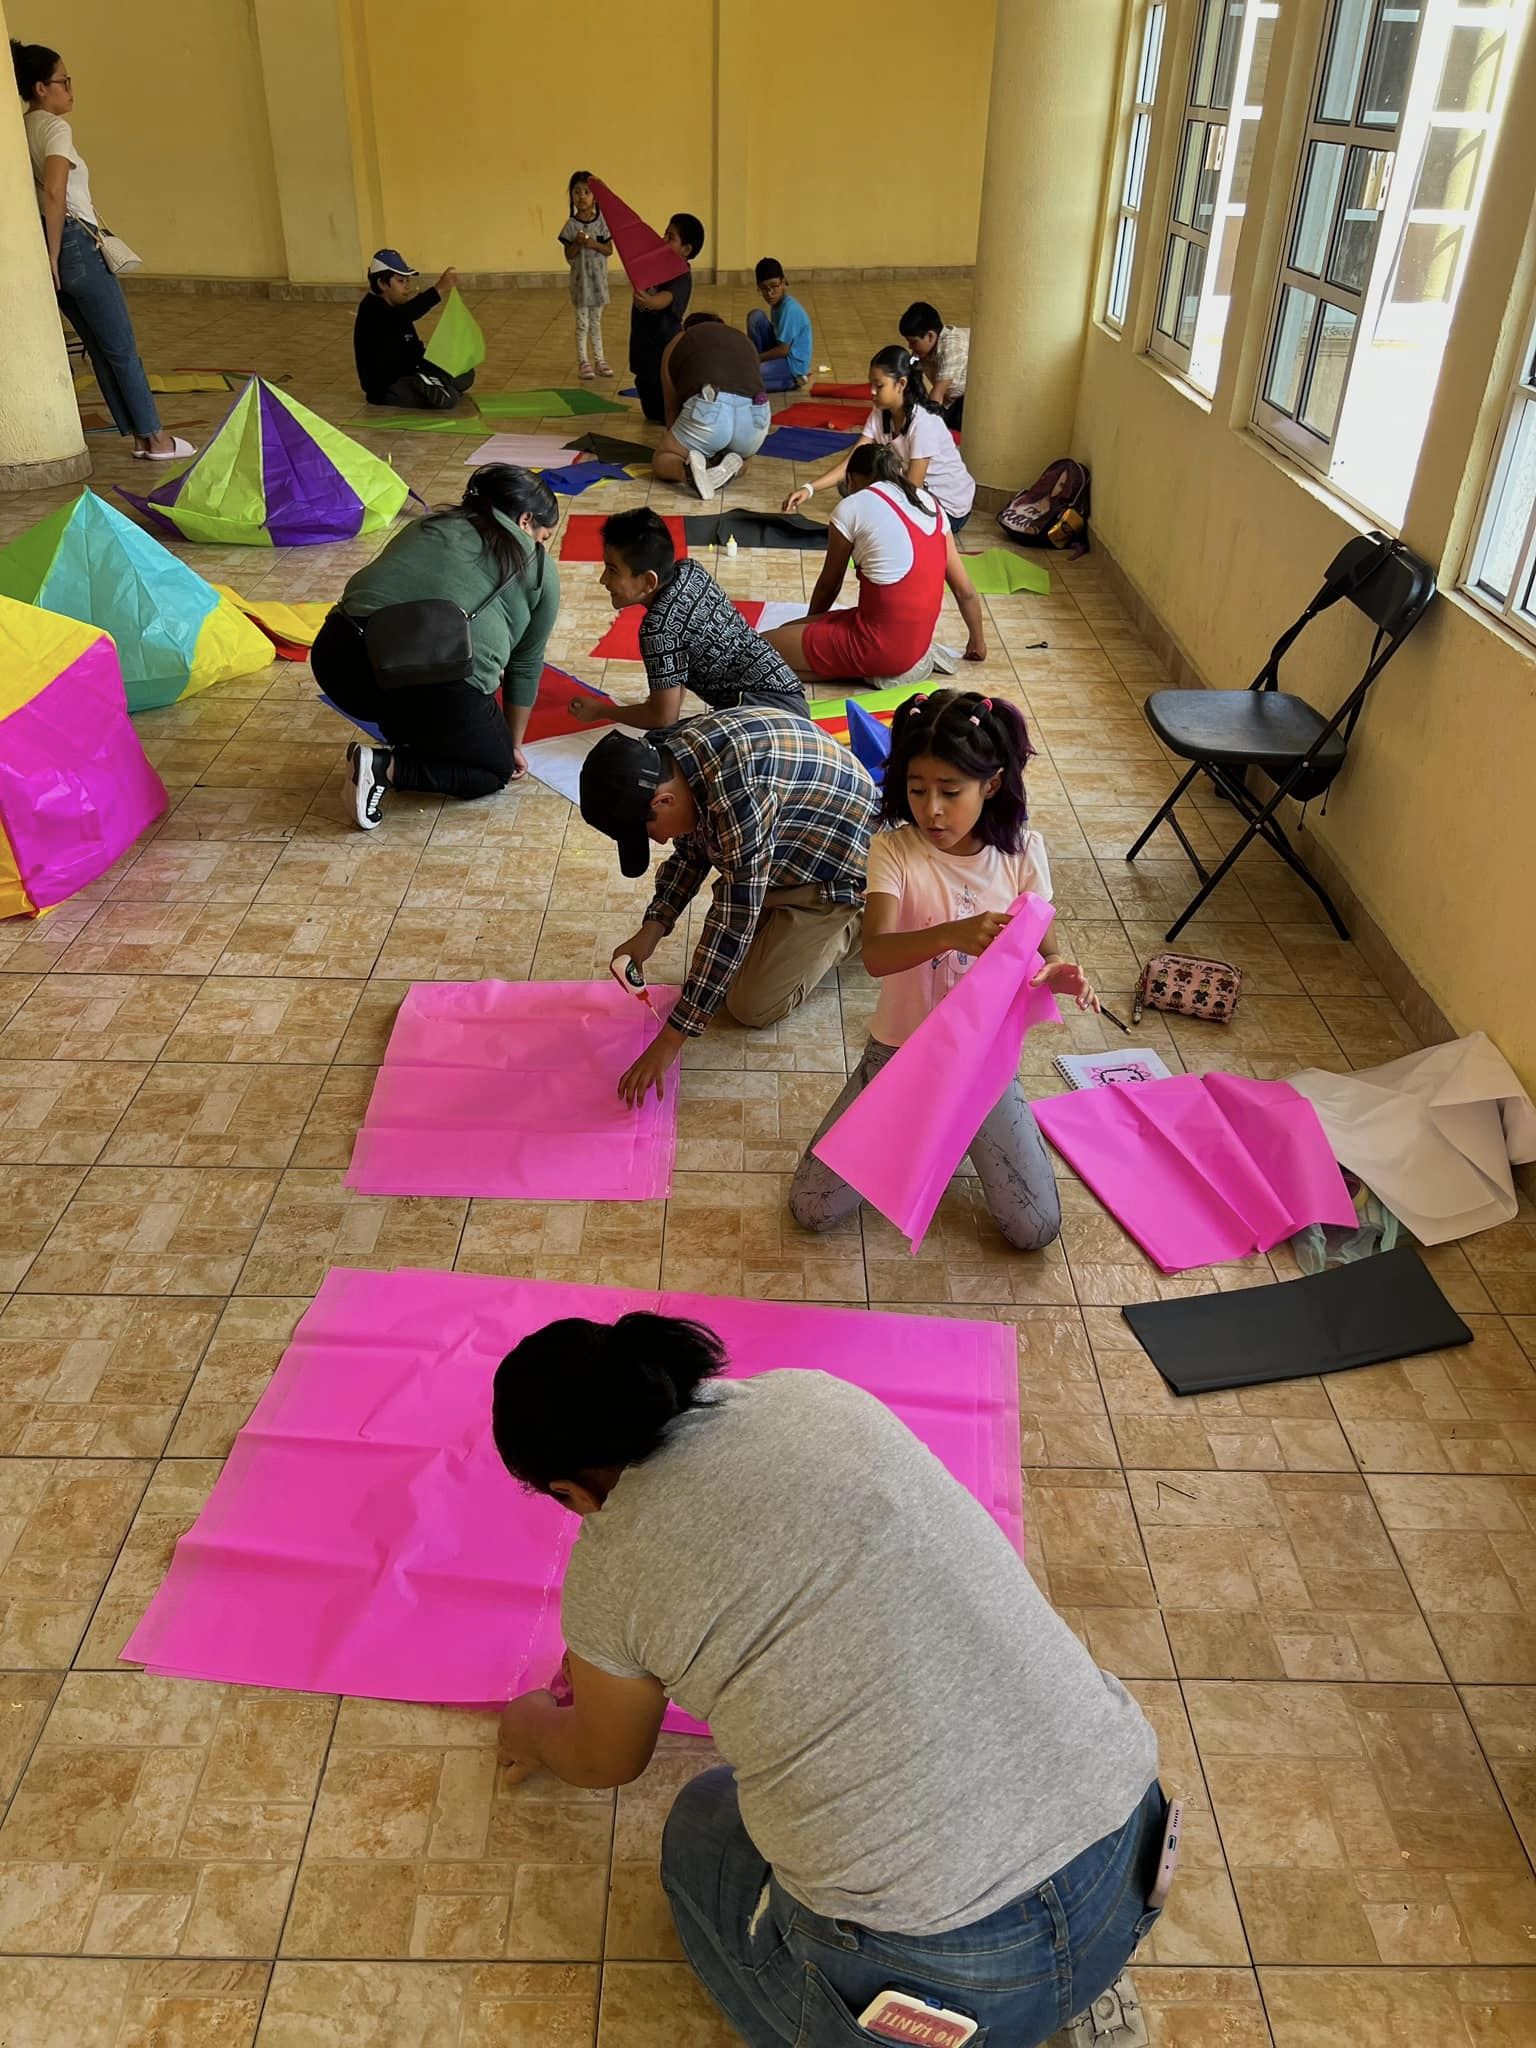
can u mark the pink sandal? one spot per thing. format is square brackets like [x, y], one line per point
[604, 369]
[586, 372]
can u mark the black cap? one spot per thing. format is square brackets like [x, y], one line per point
[618, 779]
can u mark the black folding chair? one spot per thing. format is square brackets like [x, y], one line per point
[1224, 733]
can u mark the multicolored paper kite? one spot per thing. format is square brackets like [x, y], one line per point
[175, 634]
[292, 628]
[275, 475]
[831, 713]
[648, 259]
[456, 343]
[75, 788]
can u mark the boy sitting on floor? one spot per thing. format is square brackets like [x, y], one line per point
[944, 353]
[391, 356]
[782, 336]
[691, 638]
[657, 315]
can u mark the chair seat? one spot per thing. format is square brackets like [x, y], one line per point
[1241, 728]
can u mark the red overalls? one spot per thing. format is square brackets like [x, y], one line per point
[893, 627]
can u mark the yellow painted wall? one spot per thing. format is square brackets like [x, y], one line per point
[171, 117]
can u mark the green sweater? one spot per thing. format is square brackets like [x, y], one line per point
[447, 558]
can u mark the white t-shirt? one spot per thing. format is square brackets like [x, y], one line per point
[882, 546]
[51, 135]
[932, 888]
[929, 440]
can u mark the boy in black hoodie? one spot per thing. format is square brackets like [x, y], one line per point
[657, 315]
[392, 364]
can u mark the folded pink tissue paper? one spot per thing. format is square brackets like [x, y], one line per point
[901, 1140]
[365, 1538]
[510, 1088]
[1201, 1168]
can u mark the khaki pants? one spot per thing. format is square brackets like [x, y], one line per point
[799, 940]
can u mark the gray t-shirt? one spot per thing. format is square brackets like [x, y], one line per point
[918, 1737]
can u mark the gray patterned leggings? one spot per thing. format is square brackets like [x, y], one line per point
[1008, 1153]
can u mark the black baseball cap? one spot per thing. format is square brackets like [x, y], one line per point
[618, 779]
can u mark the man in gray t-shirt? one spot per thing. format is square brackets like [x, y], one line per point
[920, 1743]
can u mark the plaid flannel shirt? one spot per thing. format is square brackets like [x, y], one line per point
[780, 804]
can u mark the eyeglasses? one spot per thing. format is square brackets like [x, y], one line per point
[66, 82]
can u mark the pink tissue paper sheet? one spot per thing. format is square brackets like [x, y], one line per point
[365, 1538]
[1201, 1168]
[900, 1142]
[510, 1088]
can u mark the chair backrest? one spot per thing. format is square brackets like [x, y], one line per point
[1381, 578]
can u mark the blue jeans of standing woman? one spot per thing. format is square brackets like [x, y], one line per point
[782, 1974]
[92, 300]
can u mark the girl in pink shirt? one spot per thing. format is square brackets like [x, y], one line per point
[956, 851]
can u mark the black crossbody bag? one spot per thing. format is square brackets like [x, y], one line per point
[427, 639]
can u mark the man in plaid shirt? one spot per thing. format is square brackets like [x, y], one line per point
[784, 814]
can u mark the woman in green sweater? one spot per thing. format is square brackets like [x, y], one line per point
[451, 738]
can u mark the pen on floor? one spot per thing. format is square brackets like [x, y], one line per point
[1110, 1018]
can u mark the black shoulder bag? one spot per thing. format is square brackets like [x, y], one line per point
[427, 639]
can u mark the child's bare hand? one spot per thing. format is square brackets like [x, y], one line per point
[798, 498]
[1066, 978]
[448, 280]
[975, 648]
[973, 935]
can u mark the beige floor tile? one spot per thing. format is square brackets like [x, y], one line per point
[197, 871]
[261, 1021]
[171, 1503]
[245, 1351]
[1504, 1718]
[1361, 1825]
[659, 2005]
[25, 1700]
[229, 815]
[1467, 1547]
[477, 945]
[61, 1523]
[749, 1122]
[733, 1234]
[1504, 1260]
[1062, 1417]
[1200, 2008]
[1271, 1575]
[14, 991]
[60, 1112]
[640, 1925]
[93, 1376]
[366, 1039]
[86, 2002]
[1454, 2008]
[315, 1222]
[422, 1850]
[1083, 1547]
[153, 1230]
[963, 1259]
[426, 2005]
[326, 942]
[1200, 1926]
[612, 1244]
[160, 1818]
[153, 938]
[1469, 1410]
[191, 1114]
[97, 1017]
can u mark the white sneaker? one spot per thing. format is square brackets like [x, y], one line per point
[707, 481]
[946, 660]
[367, 766]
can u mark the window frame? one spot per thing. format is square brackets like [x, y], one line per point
[1404, 144]
[1149, 48]
[1179, 237]
[1519, 417]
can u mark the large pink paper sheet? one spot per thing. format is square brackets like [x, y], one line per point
[364, 1537]
[1201, 1168]
[901, 1140]
[510, 1088]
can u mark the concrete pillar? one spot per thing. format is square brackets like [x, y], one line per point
[1049, 128]
[311, 75]
[40, 438]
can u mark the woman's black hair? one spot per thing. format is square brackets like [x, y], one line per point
[878, 462]
[33, 64]
[578, 1396]
[978, 737]
[576, 178]
[900, 362]
[504, 488]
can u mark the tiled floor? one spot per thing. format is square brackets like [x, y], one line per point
[1324, 1592]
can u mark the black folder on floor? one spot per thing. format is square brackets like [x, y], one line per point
[755, 530]
[1379, 1308]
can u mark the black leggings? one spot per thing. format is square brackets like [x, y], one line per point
[449, 738]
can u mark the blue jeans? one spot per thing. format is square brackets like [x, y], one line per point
[782, 1974]
[92, 299]
[715, 423]
[777, 375]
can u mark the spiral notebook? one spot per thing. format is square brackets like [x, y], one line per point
[1110, 1069]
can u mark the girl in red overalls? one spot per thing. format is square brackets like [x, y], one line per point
[900, 543]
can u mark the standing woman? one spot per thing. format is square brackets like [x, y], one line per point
[88, 292]
[485, 555]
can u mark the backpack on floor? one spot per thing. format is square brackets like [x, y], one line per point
[1053, 512]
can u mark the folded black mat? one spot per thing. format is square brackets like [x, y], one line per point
[755, 530]
[1379, 1308]
[607, 449]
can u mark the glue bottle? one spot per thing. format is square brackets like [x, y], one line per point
[730, 546]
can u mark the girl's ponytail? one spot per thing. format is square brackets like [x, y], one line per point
[579, 1396]
[979, 737]
[877, 462]
[896, 361]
